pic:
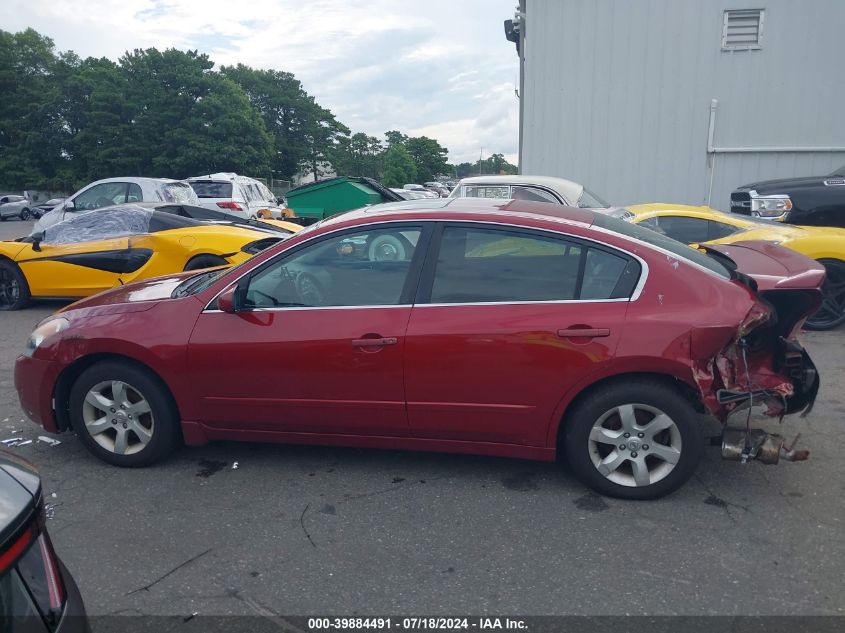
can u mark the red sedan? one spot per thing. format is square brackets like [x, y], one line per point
[510, 328]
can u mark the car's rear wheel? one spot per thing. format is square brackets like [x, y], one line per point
[831, 314]
[123, 414]
[637, 439]
[205, 261]
[14, 290]
[25, 214]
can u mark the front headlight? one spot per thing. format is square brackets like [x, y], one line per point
[45, 331]
[770, 206]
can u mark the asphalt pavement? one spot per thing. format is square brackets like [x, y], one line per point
[236, 528]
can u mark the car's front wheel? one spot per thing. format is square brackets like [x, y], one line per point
[123, 414]
[637, 439]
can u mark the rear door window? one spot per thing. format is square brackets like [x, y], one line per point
[481, 265]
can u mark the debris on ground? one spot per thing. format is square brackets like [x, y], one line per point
[235, 466]
[48, 440]
[15, 441]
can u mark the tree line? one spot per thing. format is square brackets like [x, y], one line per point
[65, 121]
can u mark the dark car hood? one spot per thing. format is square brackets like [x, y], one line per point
[781, 184]
[20, 494]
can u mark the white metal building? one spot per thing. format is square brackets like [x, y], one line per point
[680, 100]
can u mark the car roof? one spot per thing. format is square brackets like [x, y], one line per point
[570, 189]
[135, 179]
[20, 491]
[480, 208]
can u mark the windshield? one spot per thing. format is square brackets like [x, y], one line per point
[657, 240]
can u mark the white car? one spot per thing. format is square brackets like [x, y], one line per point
[14, 207]
[112, 191]
[237, 195]
[535, 188]
[425, 193]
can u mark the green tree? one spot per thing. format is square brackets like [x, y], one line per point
[394, 137]
[285, 107]
[399, 167]
[428, 156]
[187, 120]
[323, 133]
[31, 132]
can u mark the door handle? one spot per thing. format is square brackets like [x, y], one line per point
[584, 332]
[374, 342]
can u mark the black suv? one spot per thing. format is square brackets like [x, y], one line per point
[36, 591]
[812, 201]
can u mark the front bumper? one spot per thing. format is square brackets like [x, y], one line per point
[35, 382]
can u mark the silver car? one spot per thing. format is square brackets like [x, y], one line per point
[14, 207]
[112, 191]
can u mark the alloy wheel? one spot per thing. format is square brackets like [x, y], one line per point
[635, 445]
[10, 289]
[118, 417]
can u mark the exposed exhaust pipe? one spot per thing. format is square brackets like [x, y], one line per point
[769, 448]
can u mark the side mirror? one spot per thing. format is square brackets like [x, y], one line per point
[70, 205]
[229, 301]
[37, 238]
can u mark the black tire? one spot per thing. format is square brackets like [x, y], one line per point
[683, 441]
[205, 261]
[832, 312]
[25, 214]
[14, 290]
[162, 421]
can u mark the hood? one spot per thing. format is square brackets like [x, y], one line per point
[766, 187]
[134, 297]
[771, 266]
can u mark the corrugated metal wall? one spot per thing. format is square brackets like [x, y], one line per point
[617, 95]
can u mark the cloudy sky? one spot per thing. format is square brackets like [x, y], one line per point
[441, 68]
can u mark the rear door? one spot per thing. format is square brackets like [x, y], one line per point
[505, 322]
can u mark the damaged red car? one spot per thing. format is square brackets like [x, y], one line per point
[460, 325]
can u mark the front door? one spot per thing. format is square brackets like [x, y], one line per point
[506, 322]
[320, 343]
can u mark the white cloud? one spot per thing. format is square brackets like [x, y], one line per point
[439, 68]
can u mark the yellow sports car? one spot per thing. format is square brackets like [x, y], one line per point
[101, 249]
[697, 225]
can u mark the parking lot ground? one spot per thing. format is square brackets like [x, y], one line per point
[305, 530]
